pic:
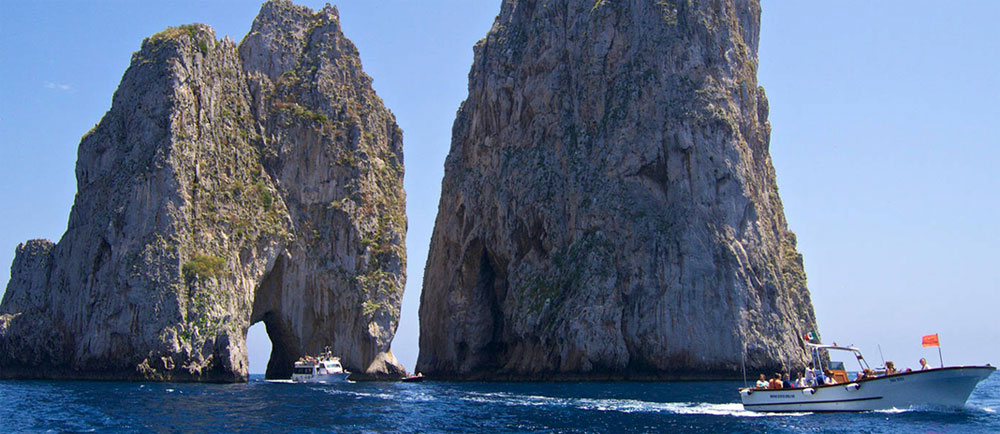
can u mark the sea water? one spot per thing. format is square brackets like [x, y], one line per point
[262, 406]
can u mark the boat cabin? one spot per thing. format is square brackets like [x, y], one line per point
[838, 371]
[331, 366]
[319, 367]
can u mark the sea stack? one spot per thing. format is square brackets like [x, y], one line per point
[609, 207]
[227, 185]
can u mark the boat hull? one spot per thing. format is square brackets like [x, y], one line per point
[340, 377]
[933, 388]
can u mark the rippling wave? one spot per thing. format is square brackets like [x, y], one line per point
[620, 405]
[264, 406]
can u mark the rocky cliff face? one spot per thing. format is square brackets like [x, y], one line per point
[609, 206]
[226, 186]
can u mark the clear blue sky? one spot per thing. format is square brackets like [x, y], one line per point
[885, 116]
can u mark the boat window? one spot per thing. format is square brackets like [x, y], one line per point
[306, 371]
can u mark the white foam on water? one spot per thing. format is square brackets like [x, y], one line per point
[419, 397]
[334, 389]
[892, 410]
[622, 405]
[356, 394]
[970, 408]
[976, 408]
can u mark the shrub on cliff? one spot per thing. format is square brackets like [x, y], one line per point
[203, 267]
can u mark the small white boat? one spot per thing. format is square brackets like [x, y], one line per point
[946, 387]
[323, 369]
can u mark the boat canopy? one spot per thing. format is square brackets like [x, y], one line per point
[832, 347]
[815, 348]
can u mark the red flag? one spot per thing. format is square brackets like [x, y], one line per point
[931, 340]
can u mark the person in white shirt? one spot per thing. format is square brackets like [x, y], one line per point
[762, 383]
[809, 378]
[923, 364]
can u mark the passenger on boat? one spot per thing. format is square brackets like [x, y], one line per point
[762, 382]
[786, 383]
[923, 364]
[820, 378]
[800, 381]
[775, 382]
[828, 377]
[809, 376]
[890, 368]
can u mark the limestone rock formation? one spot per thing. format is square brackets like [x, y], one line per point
[609, 207]
[225, 186]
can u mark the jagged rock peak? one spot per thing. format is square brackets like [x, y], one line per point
[609, 207]
[280, 34]
[212, 196]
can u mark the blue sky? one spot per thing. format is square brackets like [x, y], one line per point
[885, 116]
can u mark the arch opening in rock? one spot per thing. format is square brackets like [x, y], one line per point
[285, 345]
[258, 348]
[283, 348]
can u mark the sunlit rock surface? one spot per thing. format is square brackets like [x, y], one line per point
[609, 206]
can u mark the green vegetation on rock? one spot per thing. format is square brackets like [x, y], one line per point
[203, 267]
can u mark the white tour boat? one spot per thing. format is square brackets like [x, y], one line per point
[945, 387]
[323, 369]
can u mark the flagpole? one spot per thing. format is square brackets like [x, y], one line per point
[939, 353]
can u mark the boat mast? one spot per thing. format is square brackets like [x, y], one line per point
[743, 356]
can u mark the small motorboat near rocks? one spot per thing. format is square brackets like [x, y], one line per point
[414, 378]
[945, 387]
[324, 369]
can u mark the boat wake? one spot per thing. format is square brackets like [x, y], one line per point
[892, 410]
[973, 408]
[622, 405]
[615, 405]
[968, 408]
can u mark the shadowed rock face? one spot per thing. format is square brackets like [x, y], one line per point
[226, 186]
[609, 207]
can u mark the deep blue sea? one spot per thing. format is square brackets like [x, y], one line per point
[260, 406]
